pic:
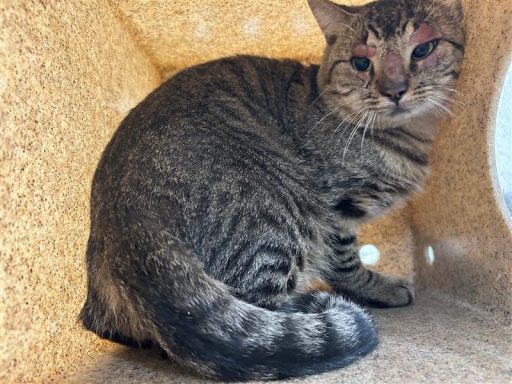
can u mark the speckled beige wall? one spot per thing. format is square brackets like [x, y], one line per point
[68, 74]
[192, 31]
[459, 214]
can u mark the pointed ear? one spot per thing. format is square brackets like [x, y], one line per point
[454, 4]
[443, 8]
[457, 10]
[332, 17]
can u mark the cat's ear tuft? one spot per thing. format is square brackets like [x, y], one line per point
[331, 17]
[456, 8]
[443, 8]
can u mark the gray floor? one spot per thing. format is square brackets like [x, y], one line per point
[434, 341]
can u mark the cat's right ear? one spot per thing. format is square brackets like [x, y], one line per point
[332, 18]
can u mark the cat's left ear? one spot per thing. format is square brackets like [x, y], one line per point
[332, 18]
[444, 8]
[456, 9]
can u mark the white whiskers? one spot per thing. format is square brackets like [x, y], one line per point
[431, 9]
[450, 89]
[440, 105]
[320, 95]
[447, 98]
[435, 108]
[370, 123]
[322, 119]
[353, 132]
[352, 117]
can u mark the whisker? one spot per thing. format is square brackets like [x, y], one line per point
[431, 9]
[447, 98]
[443, 107]
[433, 88]
[372, 117]
[348, 143]
[349, 27]
[378, 123]
[348, 124]
[319, 121]
[320, 95]
[373, 121]
[435, 108]
[451, 89]
[355, 114]
[353, 133]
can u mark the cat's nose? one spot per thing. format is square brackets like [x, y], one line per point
[394, 91]
[393, 82]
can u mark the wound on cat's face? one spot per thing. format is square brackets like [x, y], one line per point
[398, 58]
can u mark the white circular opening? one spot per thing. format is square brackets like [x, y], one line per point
[429, 255]
[369, 254]
[503, 142]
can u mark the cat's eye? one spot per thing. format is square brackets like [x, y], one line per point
[361, 64]
[423, 50]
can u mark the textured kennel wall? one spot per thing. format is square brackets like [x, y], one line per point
[459, 215]
[192, 31]
[68, 73]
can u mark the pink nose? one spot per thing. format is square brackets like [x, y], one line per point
[393, 90]
[392, 82]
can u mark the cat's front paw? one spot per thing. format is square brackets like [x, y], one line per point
[391, 292]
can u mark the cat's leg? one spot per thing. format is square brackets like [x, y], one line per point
[350, 278]
[266, 278]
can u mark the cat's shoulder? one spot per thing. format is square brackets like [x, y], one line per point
[241, 65]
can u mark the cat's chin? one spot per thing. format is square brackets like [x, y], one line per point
[405, 115]
[398, 117]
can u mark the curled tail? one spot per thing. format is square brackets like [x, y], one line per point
[203, 327]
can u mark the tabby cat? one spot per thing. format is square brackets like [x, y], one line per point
[224, 209]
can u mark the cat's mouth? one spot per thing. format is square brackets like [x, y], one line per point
[396, 114]
[408, 109]
[398, 110]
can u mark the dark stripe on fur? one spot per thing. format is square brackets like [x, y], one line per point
[400, 131]
[348, 208]
[344, 241]
[374, 30]
[329, 76]
[460, 47]
[241, 353]
[415, 157]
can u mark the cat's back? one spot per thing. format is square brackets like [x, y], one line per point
[259, 81]
[207, 94]
[209, 122]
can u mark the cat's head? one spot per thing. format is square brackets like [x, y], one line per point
[390, 60]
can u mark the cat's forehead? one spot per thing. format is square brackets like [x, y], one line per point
[387, 20]
[390, 24]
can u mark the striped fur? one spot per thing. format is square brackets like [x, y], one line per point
[224, 208]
